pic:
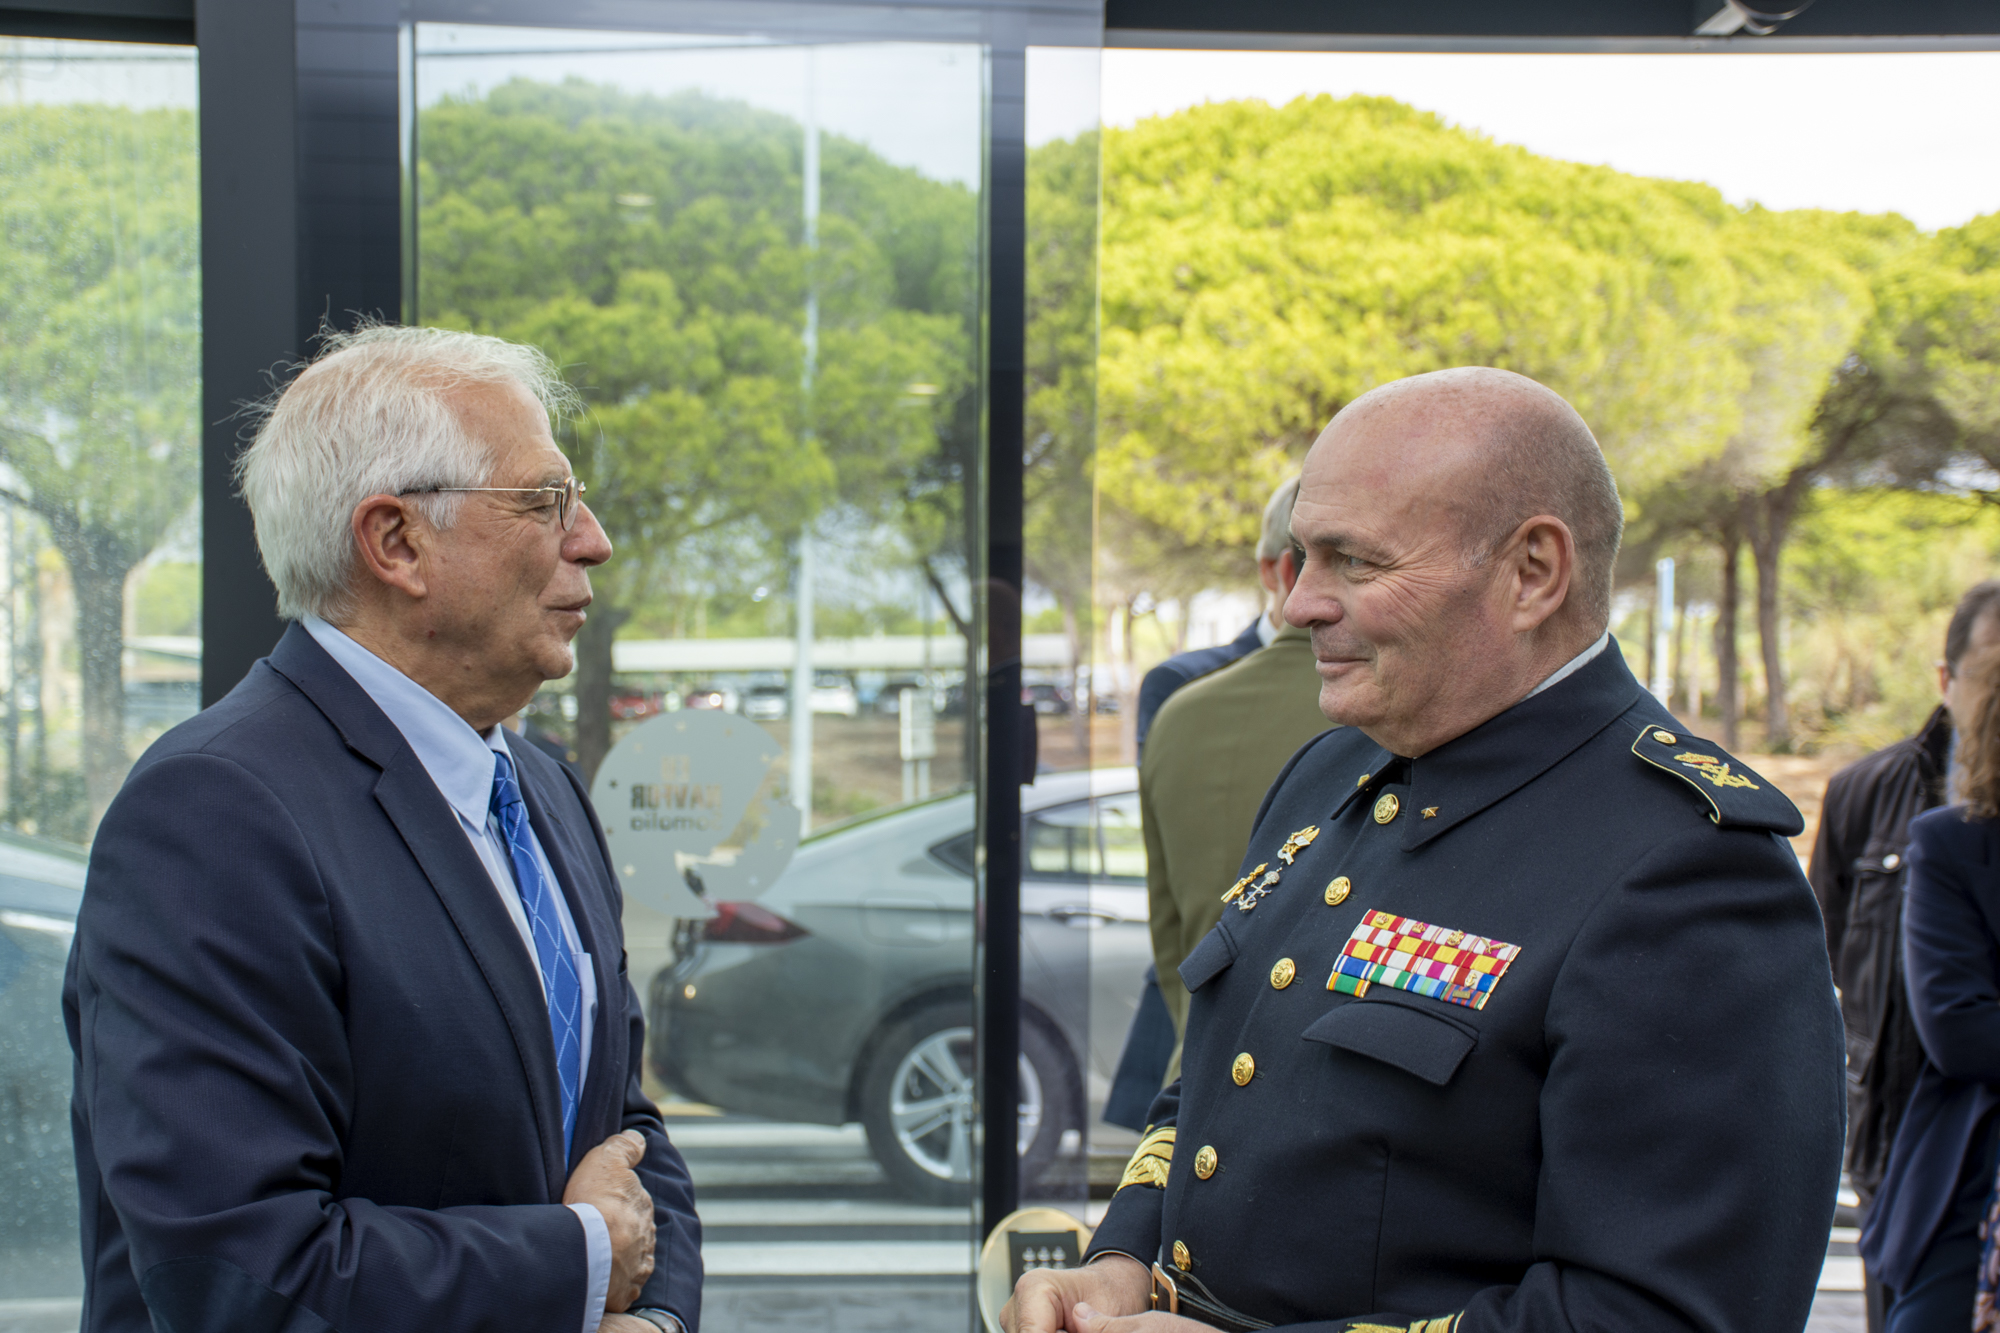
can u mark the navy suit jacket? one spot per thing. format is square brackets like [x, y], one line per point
[1161, 682]
[1951, 960]
[315, 1087]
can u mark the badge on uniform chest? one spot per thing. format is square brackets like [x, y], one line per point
[1247, 892]
[1436, 961]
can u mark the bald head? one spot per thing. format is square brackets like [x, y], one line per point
[1460, 529]
[1505, 449]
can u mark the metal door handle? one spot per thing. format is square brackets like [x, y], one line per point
[1081, 915]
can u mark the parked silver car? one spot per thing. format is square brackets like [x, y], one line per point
[844, 993]
[41, 887]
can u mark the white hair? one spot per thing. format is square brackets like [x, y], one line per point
[1277, 535]
[371, 415]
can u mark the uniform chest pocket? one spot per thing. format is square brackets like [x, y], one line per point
[1417, 1041]
[1215, 952]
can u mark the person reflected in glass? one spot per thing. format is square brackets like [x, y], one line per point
[355, 1046]
[1929, 1233]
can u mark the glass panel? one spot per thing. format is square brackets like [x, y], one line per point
[760, 264]
[1092, 946]
[1786, 358]
[1122, 845]
[100, 381]
[1063, 842]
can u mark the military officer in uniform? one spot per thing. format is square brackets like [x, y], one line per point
[1519, 1017]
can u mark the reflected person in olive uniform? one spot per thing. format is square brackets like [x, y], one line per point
[1520, 1017]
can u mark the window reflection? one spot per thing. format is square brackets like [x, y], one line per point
[100, 573]
[759, 264]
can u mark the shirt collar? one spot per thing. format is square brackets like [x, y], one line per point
[1574, 665]
[1266, 631]
[458, 759]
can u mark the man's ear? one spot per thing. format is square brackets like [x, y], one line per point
[390, 539]
[1541, 561]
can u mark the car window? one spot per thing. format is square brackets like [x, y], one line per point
[960, 853]
[1060, 842]
[1088, 839]
[1123, 846]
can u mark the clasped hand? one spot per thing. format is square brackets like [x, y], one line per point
[1110, 1295]
[606, 1180]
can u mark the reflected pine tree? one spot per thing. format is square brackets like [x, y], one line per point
[100, 376]
[654, 247]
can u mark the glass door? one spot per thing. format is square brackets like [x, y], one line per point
[759, 260]
[100, 522]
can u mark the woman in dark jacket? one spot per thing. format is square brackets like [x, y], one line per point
[1923, 1230]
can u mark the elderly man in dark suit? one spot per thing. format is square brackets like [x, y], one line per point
[1518, 1018]
[355, 1047]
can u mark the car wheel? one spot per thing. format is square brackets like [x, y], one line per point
[917, 1103]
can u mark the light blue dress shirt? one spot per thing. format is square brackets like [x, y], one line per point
[460, 761]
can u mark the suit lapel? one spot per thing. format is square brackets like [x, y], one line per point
[580, 873]
[432, 832]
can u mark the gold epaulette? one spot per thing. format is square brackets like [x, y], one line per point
[1150, 1160]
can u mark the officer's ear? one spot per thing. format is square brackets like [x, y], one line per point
[1290, 562]
[1536, 565]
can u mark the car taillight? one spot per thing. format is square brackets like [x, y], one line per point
[747, 923]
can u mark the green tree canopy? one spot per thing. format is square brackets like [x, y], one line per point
[1264, 266]
[655, 247]
[100, 366]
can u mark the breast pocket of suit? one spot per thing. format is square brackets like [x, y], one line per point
[1208, 959]
[1431, 1046]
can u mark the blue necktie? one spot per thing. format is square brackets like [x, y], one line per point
[538, 895]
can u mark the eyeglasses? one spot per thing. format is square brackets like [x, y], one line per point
[568, 493]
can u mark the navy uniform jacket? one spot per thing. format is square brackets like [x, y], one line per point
[315, 1086]
[1637, 1127]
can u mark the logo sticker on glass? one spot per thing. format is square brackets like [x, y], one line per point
[694, 810]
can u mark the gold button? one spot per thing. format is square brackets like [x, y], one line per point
[1338, 889]
[1666, 738]
[1361, 781]
[1386, 808]
[1182, 1259]
[1204, 1164]
[1282, 973]
[1244, 1069]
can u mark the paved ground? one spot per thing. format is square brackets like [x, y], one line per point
[803, 1236]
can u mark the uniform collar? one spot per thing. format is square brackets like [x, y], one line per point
[1499, 756]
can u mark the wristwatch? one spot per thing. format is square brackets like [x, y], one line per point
[659, 1319]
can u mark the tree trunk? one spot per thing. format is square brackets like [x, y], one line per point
[1680, 672]
[1128, 690]
[1082, 700]
[1728, 702]
[593, 686]
[98, 577]
[1769, 526]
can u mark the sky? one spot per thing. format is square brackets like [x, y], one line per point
[1911, 132]
[1916, 133]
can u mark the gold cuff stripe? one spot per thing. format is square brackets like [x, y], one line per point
[1150, 1161]
[1442, 1324]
